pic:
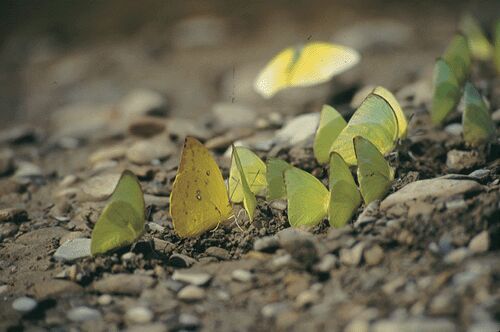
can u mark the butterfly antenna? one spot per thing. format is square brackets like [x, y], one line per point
[236, 220]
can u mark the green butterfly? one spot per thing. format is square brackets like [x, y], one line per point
[374, 173]
[479, 46]
[122, 221]
[458, 57]
[477, 124]
[275, 178]
[344, 194]
[376, 121]
[241, 188]
[307, 198]
[398, 111]
[331, 124]
[446, 91]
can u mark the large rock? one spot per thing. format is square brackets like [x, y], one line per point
[427, 192]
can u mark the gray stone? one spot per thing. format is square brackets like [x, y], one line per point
[242, 275]
[6, 161]
[456, 256]
[480, 174]
[191, 293]
[436, 190]
[299, 244]
[142, 102]
[26, 169]
[146, 151]
[454, 129]
[352, 256]
[306, 298]
[193, 278]
[108, 153]
[217, 252]
[233, 115]
[273, 309]
[83, 314]
[298, 129]
[139, 315]
[127, 284]
[24, 304]
[480, 243]
[357, 325]
[72, 250]
[105, 299]
[326, 264]
[266, 244]
[147, 126]
[180, 260]
[373, 255]
[188, 321]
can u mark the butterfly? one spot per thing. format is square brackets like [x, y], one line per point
[305, 65]
[446, 91]
[478, 127]
[376, 121]
[199, 200]
[457, 56]
[331, 124]
[344, 194]
[122, 221]
[374, 173]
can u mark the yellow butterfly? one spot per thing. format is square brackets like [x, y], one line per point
[199, 200]
[310, 64]
[122, 220]
[331, 124]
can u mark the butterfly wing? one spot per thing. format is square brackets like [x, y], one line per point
[115, 228]
[398, 111]
[477, 124]
[331, 124]
[374, 173]
[318, 62]
[255, 174]
[199, 200]
[248, 197]
[307, 198]
[344, 194]
[274, 76]
[458, 57]
[446, 93]
[374, 120]
[275, 178]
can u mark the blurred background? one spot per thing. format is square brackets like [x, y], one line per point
[190, 58]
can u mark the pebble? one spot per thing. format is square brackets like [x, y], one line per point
[164, 247]
[100, 187]
[357, 325]
[200, 31]
[456, 256]
[52, 288]
[374, 255]
[24, 304]
[8, 229]
[496, 116]
[191, 293]
[278, 204]
[71, 236]
[326, 264]
[369, 214]
[457, 160]
[273, 309]
[27, 170]
[180, 260]
[480, 243]
[139, 315]
[217, 252]
[299, 244]
[147, 126]
[158, 201]
[128, 256]
[443, 304]
[392, 286]
[352, 257]
[13, 215]
[83, 314]
[152, 327]
[437, 189]
[127, 284]
[415, 324]
[4, 289]
[480, 174]
[146, 151]
[266, 244]
[143, 102]
[454, 129]
[193, 278]
[298, 129]
[108, 153]
[242, 275]
[306, 298]
[105, 299]
[72, 250]
[188, 321]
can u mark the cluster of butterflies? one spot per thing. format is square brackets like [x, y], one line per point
[450, 82]
[201, 200]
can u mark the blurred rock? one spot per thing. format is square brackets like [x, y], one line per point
[480, 243]
[142, 102]
[108, 153]
[414, 324]
[26, 170]
[6, 161]
[298, 129]
[457, 160]
[73, 249]
[99, 187]
[83, 314]
[126, 284]
[145, 151]
[200, 31]
[454, 129]
[147, 126]
[233, 115]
